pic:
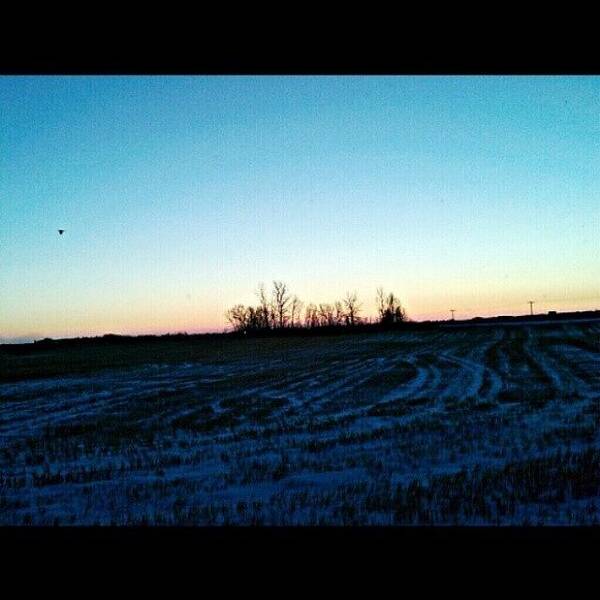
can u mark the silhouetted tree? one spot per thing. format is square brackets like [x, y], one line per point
[339, 316]
[380, 299]
[253, 319]
[281, 300]
[264, 310]
[389, 307]
[238, 317]
[283, 310]
[311, 318]
[326, 315]
[295, 310]
[352, 308]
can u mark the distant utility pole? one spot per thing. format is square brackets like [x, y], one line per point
[531, 302]
[452, 310]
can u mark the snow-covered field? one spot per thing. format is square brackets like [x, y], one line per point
[486, 425]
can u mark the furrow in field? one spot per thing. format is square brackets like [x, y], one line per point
[467, 380]
[562, 379]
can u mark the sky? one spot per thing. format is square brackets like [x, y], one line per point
[180, 195]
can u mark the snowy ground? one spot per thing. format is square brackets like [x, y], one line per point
[487, 425]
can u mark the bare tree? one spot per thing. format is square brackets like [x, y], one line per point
[352, 308]
[264, 309]
[311, 318]
[238, 317]
[253, 319]
[340, 316]
[283, 310]
[295, 310]
[281, 300]
[380, 299]
[326, 314]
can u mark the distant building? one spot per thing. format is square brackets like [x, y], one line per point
[551, 313]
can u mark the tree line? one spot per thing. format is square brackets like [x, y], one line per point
[281, 310]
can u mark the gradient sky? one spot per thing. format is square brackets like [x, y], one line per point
[179, 195]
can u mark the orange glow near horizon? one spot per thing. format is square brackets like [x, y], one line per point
[184, 323]
[179, 195]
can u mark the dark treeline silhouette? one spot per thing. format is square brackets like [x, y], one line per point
[283, 313]
[390, 309]
[315, 320]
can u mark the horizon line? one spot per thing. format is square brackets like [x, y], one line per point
[20, 340]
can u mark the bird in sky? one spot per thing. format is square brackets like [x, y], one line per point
[61, 231]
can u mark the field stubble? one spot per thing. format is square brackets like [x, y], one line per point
[491, 425]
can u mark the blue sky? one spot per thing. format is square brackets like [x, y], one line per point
[179, 195]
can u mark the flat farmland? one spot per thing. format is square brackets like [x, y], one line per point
[490, 425]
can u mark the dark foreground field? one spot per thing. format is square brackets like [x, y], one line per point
[482, 425]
